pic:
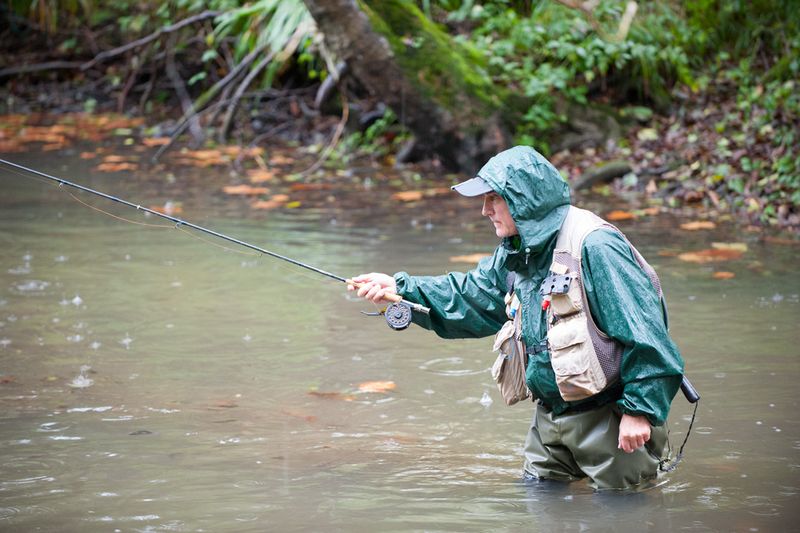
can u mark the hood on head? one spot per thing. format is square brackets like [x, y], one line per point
[536, 194]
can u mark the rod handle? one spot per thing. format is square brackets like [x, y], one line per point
[688, 390]
[396, 298]
[391, 297]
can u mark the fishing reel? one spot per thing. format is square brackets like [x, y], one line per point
[397, 315]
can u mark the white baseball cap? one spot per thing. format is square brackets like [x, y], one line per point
[472, 187]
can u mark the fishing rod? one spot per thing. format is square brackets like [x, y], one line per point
[397, 314]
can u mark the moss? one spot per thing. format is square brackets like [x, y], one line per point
[451, 74]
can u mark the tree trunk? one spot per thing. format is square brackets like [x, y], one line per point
[437, 88]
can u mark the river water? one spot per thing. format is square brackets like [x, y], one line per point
[153, 382]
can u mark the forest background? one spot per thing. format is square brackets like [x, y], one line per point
[684, 103]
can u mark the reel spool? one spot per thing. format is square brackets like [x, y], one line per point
[398, 316]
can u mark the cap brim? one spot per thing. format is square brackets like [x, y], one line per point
[472, 187]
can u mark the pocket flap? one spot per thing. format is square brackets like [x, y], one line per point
[567, 333]
[505, 333]
[570, 365]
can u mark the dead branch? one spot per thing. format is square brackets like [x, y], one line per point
[255, 71]
[102, 56]
[336, 136]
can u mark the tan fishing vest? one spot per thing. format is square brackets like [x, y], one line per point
[584, 359]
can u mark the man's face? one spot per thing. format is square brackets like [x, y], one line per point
[496, 209]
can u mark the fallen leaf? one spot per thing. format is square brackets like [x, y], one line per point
[88, 155]
[332, 395]
[115, 167]
[7, 379]
[168, 208]
[698, 225]
[738, 246]
[155, 141]
[115, 159]
[377, 386]
[723, 275]
[470, 258]
[311, 186]
[408, 196]
[259, 175]
[615, 216]
[279, 159]
[293, 205]
[266, 204]
[710, 256]
[244, 190]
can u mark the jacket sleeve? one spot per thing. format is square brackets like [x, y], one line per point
[626, 306]
[462, 304]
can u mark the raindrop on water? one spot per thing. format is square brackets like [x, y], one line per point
[95, 345]
[777, 298]
[126, 342]
[81, 381]
[4, 342]
[77, 300]
[486, 400]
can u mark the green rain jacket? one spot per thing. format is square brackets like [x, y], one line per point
[622, 300]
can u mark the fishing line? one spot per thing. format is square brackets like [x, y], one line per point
[662, 465]
[180, 223]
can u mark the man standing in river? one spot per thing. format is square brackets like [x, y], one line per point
[601, 363]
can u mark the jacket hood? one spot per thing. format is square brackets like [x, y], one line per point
[536, 194]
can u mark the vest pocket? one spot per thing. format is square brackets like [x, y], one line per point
[568, 303]
[577, 370]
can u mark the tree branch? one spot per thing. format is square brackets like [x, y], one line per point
[102, 56]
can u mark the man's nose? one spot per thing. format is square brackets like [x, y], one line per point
[485, 210]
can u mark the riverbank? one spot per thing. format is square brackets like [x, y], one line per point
[663, 164]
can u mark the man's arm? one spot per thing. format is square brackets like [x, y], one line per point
[626, 306]
[462, 304]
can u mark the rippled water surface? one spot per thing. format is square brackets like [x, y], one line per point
[150, 381]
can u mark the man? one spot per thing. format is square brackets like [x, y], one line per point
[603, 378]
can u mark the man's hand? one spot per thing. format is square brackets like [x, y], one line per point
[374, 286]
[634, 431]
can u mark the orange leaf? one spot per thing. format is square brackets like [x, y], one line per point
[377, 386]
[280, 197]
[244, 190]
[407, 196]
[168, 208]
[155, 141]
[280, 159]
[88, 155]
[723, 275]
[266, 204]
[615, 216]
[310, 186]
[698, 225]
[258, 175]
[471, 258]
[115, 167]
[711, 255]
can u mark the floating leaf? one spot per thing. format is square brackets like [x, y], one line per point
[244, 190]
[615, 216]
[169, 208]
[332, 395]
[723, 275]
[407, 196]
[277, 200]
[710, 255]
[469, 258]
[738, 246]
[377, 386]
[88, 155]
[698, 225]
